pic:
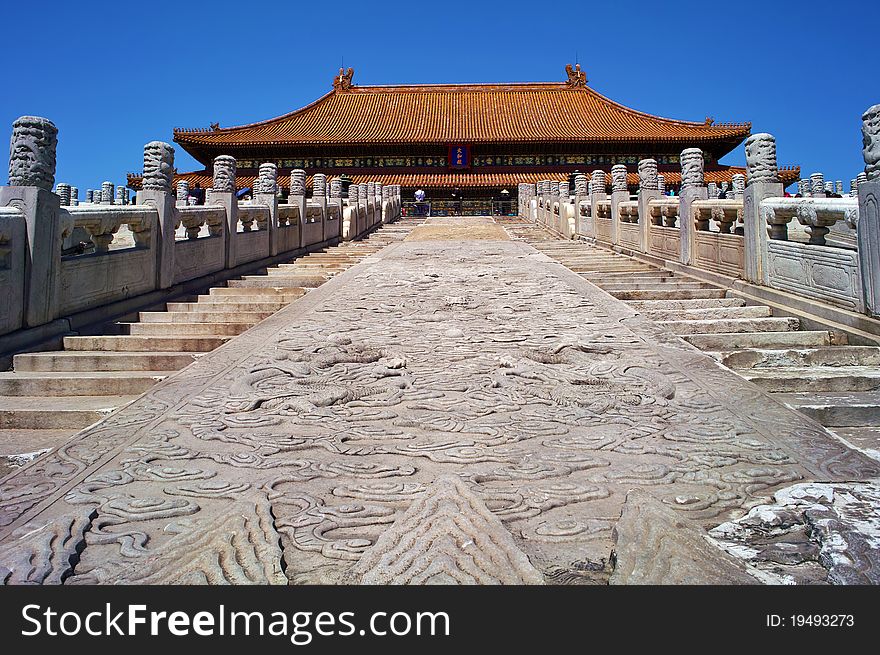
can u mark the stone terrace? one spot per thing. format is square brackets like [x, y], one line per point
[447, 410]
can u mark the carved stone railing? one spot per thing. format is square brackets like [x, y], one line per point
[58, 259]
[102, 222]
[200, 221]
[714, 244]
[817, 215]
[664, 237]
[104, 276]
[814, 269]
[664, 211]
[13, 246]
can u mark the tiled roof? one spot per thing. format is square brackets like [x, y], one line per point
[475, 113]
[715, 174]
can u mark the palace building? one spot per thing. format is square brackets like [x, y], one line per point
[465, 143]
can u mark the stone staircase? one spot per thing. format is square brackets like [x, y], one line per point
[814, 371]
[49, 396]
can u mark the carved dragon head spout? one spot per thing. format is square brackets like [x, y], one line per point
[32, 152]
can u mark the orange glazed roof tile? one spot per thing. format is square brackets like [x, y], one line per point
[467, 113]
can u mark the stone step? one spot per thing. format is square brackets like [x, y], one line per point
[843, 409]
[308, 280]
[668, 294]
[89, 361]
[644, 275]
[288, 274]
[101, 383]
[138, 343]
[22, 441]
[187, 329]
[824, 356]
[653, 284]
[221, 316]
[245, 305]
[751, 311]
[732, 325]
[686, 304]
[288, 292]
[785, 379]
[265, 282]
[866, 438]
[729, 341]
[71, 412]
[606, 268]
[312, 266]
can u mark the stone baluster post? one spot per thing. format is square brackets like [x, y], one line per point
[156, 192]
[598, 193]
[619, 194]
[335, 199]
[62, 190]
[90, 196]
[763, 182]
[31, 177]
[712, 190]
[120, 195]
[223, 194]
[854, 188]
[868, 234]
[581, 196]
[319, 195]
[182, 193]
[364, 203]
[648, 190]
[804, 188]
[266, 193]
[838, 187]
[297, 197]
[817, 185]
[371, 203]
[560, 223]
[74, 196]
[107, 193]
[739, 186]
[354, 223]
[692, 188]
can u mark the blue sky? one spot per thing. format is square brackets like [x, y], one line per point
[115, 75]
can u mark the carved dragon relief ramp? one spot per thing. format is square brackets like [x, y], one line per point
[446, 411]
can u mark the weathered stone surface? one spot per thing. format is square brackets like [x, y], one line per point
[224, 174]
[267, 179]
[32, 152]
[654, 544]
[812, 533]
[761, 158]
[618, 177]
[871, 141]
[158, 166]
[297, 182]
[447, 536]
[648, 174]
[482, 359]
[692, 168]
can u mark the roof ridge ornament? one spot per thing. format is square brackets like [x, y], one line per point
[342, 81]
[576, 77]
